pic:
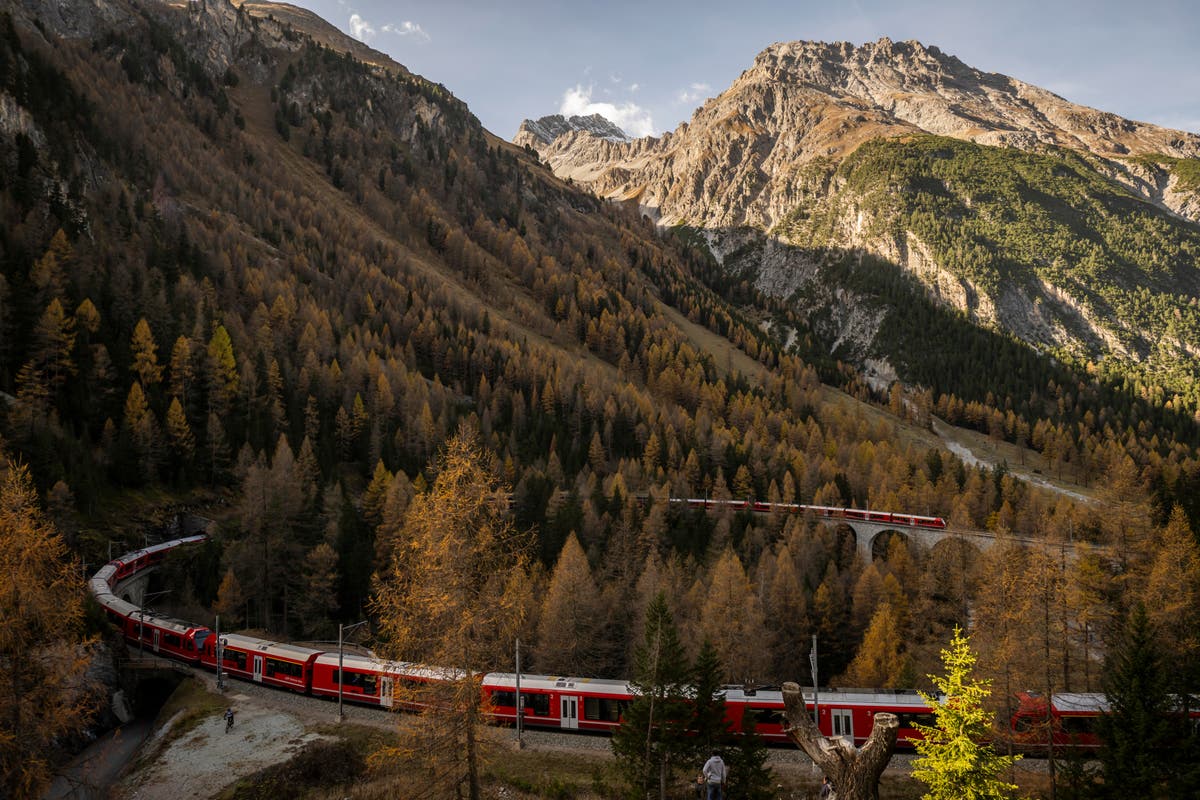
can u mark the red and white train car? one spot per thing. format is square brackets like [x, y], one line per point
[132, 563]
[585, 704]
[841, 712]
[166, 636]
[286, 666]
[1069, 719]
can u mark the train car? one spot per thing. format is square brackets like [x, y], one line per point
[165, 636]
[366, 680]
[584, 704]
[1067, 721]
[132, 563]
[107, 575]
[117, 610]
[846, 713]
[286, 666]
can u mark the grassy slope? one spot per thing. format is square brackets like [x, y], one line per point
[1000, 218]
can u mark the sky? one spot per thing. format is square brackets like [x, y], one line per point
[648, 64]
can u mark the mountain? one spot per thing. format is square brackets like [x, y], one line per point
[1072, 228]
[543, 131]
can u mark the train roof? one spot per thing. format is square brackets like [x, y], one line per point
[158, 548]
[267, 647]
[876, 698]
[116, 604]
[1080, 703]
[605, 686]
[358, 661]
[166, 623]
[397, 669]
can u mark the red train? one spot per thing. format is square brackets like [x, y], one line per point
[827, 512]
[1067, 721]
[563, 703]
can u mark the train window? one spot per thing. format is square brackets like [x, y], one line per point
[286, 669]
[1076, 725]
[172, 640]
[234, 658]
[538, 703]
[911, 720]
[602, 709]
[359, 680]
[506, 699]
[769, 716]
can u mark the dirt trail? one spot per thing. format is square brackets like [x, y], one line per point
[204, 760]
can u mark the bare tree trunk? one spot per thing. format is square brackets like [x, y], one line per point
[854, 771]
[472, 758]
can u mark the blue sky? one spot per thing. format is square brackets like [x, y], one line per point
[647, 65]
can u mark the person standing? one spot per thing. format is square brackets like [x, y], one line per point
[229, 719]
[715, 775]
[827, 788]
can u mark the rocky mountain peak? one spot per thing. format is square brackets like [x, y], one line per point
[736, 160]
[544, 130]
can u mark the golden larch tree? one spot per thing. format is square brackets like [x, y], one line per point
[731, 616]
[880, 661]
[572, 613]
[43, 655]
[145, 355]
[454, 595]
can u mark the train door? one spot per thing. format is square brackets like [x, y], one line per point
[569, 706]
[258, 667]
[385, 692]
[843, 722]
[156, 632]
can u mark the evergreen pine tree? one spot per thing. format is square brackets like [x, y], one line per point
[955, 761]
[749, 776]
[653, 741]
[709, 708]
[1140, 734]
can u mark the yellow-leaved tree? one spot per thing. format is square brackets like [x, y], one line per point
[43, 656]
[454, 595]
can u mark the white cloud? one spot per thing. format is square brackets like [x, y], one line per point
[361, 29]
[694, 93]
[630, 117]
[408, 28]
[633, 87]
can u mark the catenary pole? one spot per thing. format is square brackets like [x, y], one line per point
[520, 705]
[812, 660]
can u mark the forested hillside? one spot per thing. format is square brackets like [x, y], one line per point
[240, 265]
